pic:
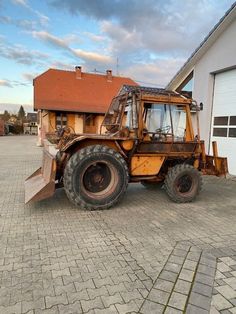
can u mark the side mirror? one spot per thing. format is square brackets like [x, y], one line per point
[194, 107]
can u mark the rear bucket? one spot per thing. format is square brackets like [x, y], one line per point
[215, 165]
[41, 184]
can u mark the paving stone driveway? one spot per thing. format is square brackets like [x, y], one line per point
[146, 255]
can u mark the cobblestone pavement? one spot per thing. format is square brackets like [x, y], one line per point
[146, 255]
[224, 292]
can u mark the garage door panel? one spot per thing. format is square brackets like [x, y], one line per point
[224, 116]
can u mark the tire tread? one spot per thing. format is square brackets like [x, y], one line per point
[76, 158]
[172, 175]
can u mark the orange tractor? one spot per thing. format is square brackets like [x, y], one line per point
[146, 136]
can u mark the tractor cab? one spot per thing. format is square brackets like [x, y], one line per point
[150, 113]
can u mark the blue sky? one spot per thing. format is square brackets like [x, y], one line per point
[147, 40]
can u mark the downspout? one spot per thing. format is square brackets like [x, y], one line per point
[212, 100]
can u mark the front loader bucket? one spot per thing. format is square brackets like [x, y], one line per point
[41, 184]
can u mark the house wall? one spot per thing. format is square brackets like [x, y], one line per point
[79, 123]
[98, 122]
[47, 124]
[71, 120]
[52, 121]
[219, 57]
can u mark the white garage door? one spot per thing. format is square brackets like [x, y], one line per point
[224, 117]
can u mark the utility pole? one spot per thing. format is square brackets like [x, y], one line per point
[117, 66]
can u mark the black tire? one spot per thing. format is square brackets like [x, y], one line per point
[183, 183]
[96, 177]
[152, 184]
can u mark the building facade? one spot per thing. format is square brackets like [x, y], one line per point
[212, 72]
[74, 99]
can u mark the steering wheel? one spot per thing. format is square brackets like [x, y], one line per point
[163, 130]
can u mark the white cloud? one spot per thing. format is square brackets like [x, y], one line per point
[95, 38]
[122, 40]
[63, 43]
[150, 38]
[5, 19]
[135, 31]
[29, 76]
[43, 19]
[11, 83]
[61, 65]
[5, 83]
[22, 23]
[20, 2]
[91, 56]
[156, 73]
[50, 39]
[21, 54]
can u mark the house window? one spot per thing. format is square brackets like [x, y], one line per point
[222, 132]
[221, 121]
[89, 120]
[90, 123]
[232, 132]
[61, 120]
[220, 127]
[232, 120]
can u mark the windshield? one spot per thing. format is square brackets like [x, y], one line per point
[165, 119]
[179, 122]
[128, 114]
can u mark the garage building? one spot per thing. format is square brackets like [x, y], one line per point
[210, 73]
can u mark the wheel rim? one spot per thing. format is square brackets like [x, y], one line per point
[99, 179]
[185, 184]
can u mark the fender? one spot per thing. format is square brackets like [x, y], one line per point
[81, 141]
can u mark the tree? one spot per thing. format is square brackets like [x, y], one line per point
[6, 115]
[21, 113]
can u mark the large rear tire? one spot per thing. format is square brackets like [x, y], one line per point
[96, 177]
[183, 183]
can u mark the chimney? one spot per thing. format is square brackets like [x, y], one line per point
[109, 75]
[78, 72]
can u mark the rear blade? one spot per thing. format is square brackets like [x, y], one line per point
[41, 184]
[217, 166]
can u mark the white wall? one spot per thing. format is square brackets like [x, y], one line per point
[221, 55]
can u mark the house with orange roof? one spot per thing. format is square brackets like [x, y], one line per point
[75, 99]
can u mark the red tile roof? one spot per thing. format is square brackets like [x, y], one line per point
[63, 91]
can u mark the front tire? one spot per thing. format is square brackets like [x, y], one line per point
[96, 177]
[183, 183]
